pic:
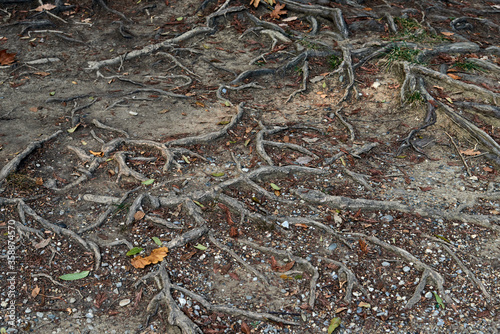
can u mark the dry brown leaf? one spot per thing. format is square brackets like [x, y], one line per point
[42, 74]
[39, 181]
[157, 255]
[453, 76]
[35, 292]
[139, 215]
[277, 11]
[7, 58]
[47, 6]
[33, 109]
[233, 233]
[245, 329]
[446, 33]
[488, 169]
[255, 3]
[42, 243]
[470, 152]
[97, 154]
[363, 246]
[340, 309]
[304, 226]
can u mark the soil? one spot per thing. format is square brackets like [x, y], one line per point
[281, 212]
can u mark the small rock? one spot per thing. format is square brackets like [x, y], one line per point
[385, 264]
[332, 246]
[428, 295]
[124, 302]
[28, 310]
[406, 269]
[39, 314]
[440, 322]
[89, 315]
[285, 224]
[182, 302]
[387, 218]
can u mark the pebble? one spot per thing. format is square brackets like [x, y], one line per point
[182, 302]
[89, 315]
[406, 269]
[387, 218]
[28, 310]
[428, 295]
[285, 224]
[440, 322]
[39, 314]
[386, 264]
[332, 247]
[124, 302]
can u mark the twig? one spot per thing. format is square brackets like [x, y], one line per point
[460, 154]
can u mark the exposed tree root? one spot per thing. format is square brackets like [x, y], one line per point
[262, 279]
[352, 281]
[303, 262]
[95, 65]
[12, 165]
[340, 202]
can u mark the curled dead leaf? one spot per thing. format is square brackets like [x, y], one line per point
[35, 291]
[139, 215]
[157, 255]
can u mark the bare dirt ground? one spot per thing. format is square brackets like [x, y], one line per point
[322, 166]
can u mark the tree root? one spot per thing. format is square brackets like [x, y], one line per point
[12, 165]
[340, 202]
[352, 281]
[262, 279]
[210, 136]
[285, 254]
[355, 153]
[95, 65]
[305, 77]
[428, 272]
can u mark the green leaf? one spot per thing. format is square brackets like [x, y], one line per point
[180, 18]
[73, 128]
[297, 276]
[186, 159]
[227, 103]
[217, 174]
[52, 93]
[442, 238]
[148, 182]
[324, 84]
[135, 250]
[334, 323]
[275, 187]
[439, 300]
[3, 330]
[199, 204]
[157, 241]
[75, 276]
[247, 142]
[223, 122]
[200, 247]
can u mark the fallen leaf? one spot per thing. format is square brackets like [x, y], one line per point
[275, 187]
[234, 276]
[449, 100]
[200, 247]
[244, 327]
[148, 182]
[33, 109]
[470, 152]
[277, 11]
[453, 76]
[135, 250]
[7, 58]
[157, 241]
[447, 33]
[488, 169]
[97, 154]
[35, 291]
[218, 174]
[364, 304]
[233, 233]
[42, 243]
[439, 300]
[157, 255]
[39, 181]
[425, 188]
[139, 215]
[363, 246]
[47, 6]
[304, 226]
[74, 276]
[73, 129]
[228, 213]
[334, 323]
[340, 309]
[42, 74]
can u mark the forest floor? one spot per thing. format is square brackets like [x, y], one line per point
[299, 167]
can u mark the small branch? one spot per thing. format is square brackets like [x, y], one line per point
[460, 154]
